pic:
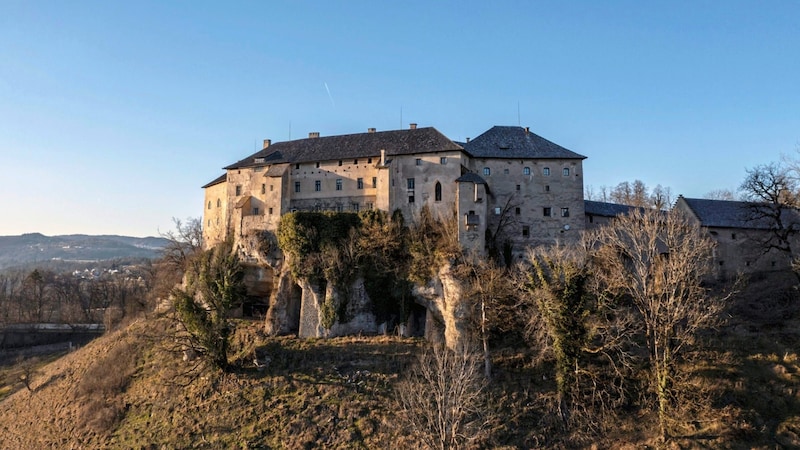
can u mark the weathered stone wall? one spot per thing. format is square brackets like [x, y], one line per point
[449, 313]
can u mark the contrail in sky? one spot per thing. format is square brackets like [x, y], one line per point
[329, 94]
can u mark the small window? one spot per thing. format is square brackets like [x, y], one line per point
[564, 212]
[547, 211]
[339, 208]
[526, 170]
[340, 162]
[437, 192]
[270, 211]
[238, 190]
[497, 211]
[747, 263]
[297, 186]
[317, 164]
[505, 171]
[733, 235]
[419, 161]
[317, 185]
[374, 182]
[443, 160]
[517, 211]
[722, 263]
[355, 161]
[487, 171]
[411, 198]
[518, 187]
[297, 166]
[255, 211]
[547, 188]
[263, 188]
[526, 231]
[360, 183]
[410, 183]
[270, 187]
[209, 222]
[546, 171]
[369, 161]
[565, 171]
[354, 207]
[368, 205]
[209, 204]
[338, 184]
[219, 203]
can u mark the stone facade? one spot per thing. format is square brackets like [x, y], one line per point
[509, 184]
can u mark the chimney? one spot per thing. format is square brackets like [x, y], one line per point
[527, 130]
[267, 142]
[467, 140]
[383, 157]
[370, 130]
[412, 126]
[313, 135]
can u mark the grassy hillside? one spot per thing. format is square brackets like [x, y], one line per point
[128, 389]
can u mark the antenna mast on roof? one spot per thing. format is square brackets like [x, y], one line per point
[290, 130]
[401, 117]
[519, 123]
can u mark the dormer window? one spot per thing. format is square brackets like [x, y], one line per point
[258, 160]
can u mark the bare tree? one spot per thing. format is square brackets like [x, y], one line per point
[184, 241]
[661, 197]
[720, 194]
[442, 401]
[772, 192]
[657, 261]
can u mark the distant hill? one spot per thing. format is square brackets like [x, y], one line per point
[36, 247]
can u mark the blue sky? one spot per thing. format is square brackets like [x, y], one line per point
[113, 114]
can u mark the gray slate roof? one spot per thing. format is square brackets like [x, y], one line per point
[351, 146]
[470, 177]
[516, 143]
[731, 214]
[220, 179]
[606, 209]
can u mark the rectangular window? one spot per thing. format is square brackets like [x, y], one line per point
[270, 211]
[317, 164]
[369, 160]
[565, 171]
[547, 188]
[338, 184]
[518, 187]
[497, 211]
[318, 185]
[526, 170]
[354, 207]
[340, 162]
[443, 160]
[487, 171]
[733, 235]
[339, 208]
[297, 186]
[505, 171]
[368, 205]
[526, 231]
[297, 166]
[419, 161]
[410, 182]
[517, 211]
[564, 212]
[238, 190]
[255, 211]
[411, 198]
[360, 183]
[270, 187]
[355, 161]
[547, 211]
[374, 182]
[263, 188]
[546, 171]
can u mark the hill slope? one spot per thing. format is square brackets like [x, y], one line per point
[128, 390]
[36, 247]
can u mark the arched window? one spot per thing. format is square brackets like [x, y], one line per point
[437, 192]
[219, 203]
[209, 204]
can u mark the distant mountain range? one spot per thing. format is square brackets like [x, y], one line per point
[36, 247]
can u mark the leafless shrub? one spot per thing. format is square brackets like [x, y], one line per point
[442, 403]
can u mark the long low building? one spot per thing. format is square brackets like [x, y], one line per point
[508, 184]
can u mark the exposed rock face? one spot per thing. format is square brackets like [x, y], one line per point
[283, 315]
[357, 310]
[448, 313]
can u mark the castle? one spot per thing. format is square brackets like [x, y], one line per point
[507, 185]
